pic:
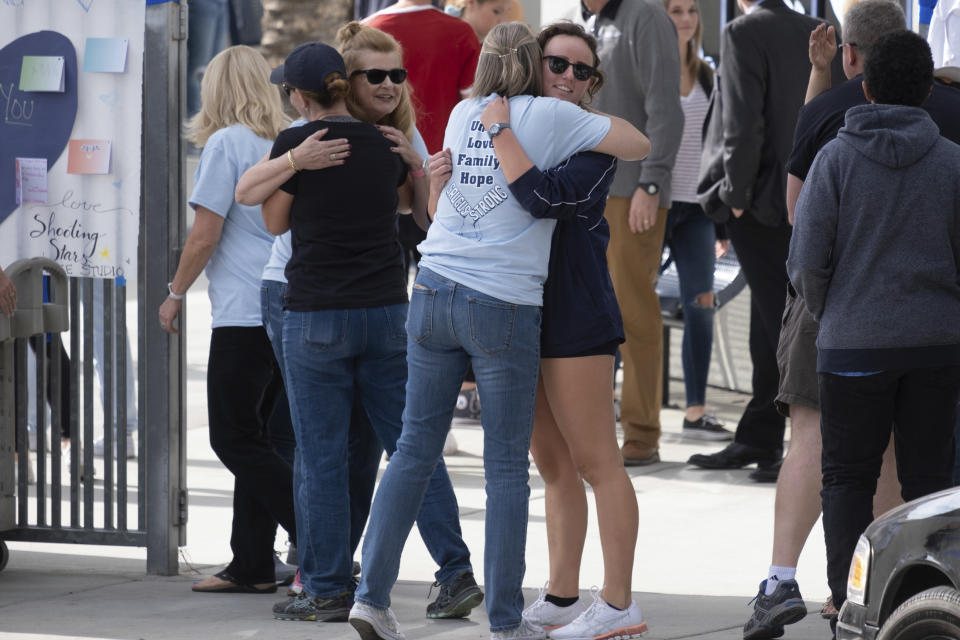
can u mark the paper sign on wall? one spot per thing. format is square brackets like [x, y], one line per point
[105, 55]
[31, 180]
[42, 73]
[89, 156]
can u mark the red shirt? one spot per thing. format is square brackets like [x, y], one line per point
[440, 52]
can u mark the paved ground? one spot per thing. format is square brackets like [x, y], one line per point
[704, 544]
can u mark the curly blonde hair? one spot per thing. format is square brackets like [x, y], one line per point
[236, 89]
[353, 39]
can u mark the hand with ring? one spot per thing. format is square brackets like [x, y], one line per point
[643, 211]
[317, 153]
[402, 146]
[168, 312]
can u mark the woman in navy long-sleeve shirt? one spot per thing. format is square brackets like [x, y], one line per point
[574, 435]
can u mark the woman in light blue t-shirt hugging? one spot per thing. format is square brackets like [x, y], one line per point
[477, 301]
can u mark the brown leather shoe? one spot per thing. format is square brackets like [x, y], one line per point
[634, 455]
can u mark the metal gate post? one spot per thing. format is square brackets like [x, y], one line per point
[162, 356]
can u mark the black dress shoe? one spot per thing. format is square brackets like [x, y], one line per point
[766, 473]
[736, 456]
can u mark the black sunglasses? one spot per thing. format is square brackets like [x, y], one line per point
[376, 76]
[286, 88]
[581, 71]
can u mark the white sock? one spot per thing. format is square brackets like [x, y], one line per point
[776, 575]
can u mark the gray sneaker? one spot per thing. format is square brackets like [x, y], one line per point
[526, 631]
[771, 612]
[303, 607]
[373, 623]
[456, 599]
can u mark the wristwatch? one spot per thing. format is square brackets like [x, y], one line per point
[652, 188]
[497, 128]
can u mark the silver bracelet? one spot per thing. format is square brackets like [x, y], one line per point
[175, 296]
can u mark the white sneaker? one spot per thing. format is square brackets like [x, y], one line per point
[547, 615]
[31, 469]
[374, 624]
[450, 444]
[131, 446]
[526, 631]
[603, 621]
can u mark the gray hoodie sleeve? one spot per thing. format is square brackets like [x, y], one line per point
[657, 64]
[810, 263]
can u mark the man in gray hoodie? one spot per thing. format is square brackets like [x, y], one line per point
[875, 255]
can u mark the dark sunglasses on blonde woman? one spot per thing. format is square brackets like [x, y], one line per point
[376, 76]
[559, 65]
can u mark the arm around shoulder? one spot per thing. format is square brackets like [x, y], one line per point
[276, 212]
[624, 141]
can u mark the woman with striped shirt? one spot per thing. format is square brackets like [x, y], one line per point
[690, 235]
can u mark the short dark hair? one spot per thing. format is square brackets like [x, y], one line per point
[899, 69]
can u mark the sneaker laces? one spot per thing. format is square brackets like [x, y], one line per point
[541, 599]
[594, 610]
[445, 592]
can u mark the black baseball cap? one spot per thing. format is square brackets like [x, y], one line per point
[308, 66]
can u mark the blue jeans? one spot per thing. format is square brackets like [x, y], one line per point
[364, 447]
[691, 236]
[330, 355]
[451, 326]
[207, 23]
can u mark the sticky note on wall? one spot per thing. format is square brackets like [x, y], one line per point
[31, 180]
[41, 73]
[89, 156]
[105, 55]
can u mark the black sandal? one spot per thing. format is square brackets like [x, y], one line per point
[232, 585]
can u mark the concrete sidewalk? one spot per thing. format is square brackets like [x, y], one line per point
[704, 544]
[112, 599]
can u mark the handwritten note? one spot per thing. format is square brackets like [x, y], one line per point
[89, 156]
[105, 55]
[42, 73]
[31, 180]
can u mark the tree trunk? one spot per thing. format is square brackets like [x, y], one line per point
[288, 23]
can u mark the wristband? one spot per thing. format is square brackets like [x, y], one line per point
[293, 165]
[422, 171]
[175, 296]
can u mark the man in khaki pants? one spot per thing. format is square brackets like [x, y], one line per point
[640, 57]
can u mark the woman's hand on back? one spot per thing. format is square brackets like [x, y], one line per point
[497, 110]
[441, 168]
[317, 153]
[402, 146]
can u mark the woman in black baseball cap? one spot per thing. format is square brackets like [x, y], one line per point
[346, 306]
